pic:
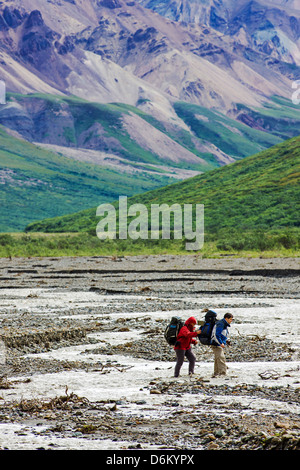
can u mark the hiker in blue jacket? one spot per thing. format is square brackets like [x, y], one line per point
[219, 339]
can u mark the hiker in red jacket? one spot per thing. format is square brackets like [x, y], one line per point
[182, 347]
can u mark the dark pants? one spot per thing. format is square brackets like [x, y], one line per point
[181, 354]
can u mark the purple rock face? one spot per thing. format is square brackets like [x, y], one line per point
[34, 19]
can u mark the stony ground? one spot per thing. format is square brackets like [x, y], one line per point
[164, 283]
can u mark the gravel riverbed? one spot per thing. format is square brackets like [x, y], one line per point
[84, 365]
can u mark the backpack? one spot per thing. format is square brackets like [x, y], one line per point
[172, 330]
[206, 330]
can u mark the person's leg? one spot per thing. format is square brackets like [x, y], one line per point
[220, 363]
[214, 350]
[192, 360]
[180, 358]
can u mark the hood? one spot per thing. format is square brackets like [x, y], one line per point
[190, 320]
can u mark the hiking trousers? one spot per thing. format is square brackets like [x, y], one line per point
[220, 367]
[181, 354]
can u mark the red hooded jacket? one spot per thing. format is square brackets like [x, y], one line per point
[186, 335]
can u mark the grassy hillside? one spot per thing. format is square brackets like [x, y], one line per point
[71, 122]
[245, 202]
[280, 117]
[75, 122]
[232, 137]
[36, 183]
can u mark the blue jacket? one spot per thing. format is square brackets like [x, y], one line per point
[220, 333]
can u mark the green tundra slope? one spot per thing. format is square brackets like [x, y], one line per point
[37, 183]
[258, 192]
[105, 150]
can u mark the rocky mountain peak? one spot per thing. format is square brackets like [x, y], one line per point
[34, 19]
[10, 18]
[112, 4]
[214, 53]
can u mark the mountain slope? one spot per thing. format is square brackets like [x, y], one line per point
[103, 151]
[117, 129]
[115, 85]
[267, 26]
[209, 139]
[119, 51]
[261, 191]
[36, 183]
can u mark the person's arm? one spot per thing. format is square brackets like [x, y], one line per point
[220, 337]
[185, 332]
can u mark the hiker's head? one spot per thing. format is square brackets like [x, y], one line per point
[191, 322]
[228, 317]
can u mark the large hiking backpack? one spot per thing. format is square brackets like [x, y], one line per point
[172, 330]
[206, 330]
